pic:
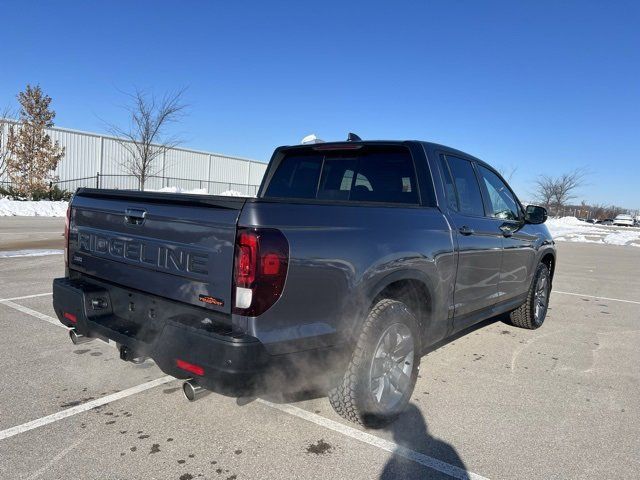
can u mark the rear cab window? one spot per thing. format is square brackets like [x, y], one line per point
[384, 174]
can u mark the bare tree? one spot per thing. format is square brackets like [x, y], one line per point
[556, 192]
[566, 186]
[545, 190]
[146, 138]
[508, 172]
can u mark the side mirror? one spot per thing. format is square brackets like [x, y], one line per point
[535, 215]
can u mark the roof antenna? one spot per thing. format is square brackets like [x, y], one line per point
[352, 137]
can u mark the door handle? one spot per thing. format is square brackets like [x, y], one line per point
[464, 230]
[134, 216]
[506, 230]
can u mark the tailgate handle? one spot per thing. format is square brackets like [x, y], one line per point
[134, 216]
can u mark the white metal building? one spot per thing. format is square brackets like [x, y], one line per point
[96, 160]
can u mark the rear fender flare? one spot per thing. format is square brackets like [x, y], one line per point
[371, 291]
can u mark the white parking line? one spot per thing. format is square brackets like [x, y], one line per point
[33, 313]
[31, 233]
[57, 458]
[25, 427]
[597, 297]
[381, 443]
[25, 296]
[394, 448]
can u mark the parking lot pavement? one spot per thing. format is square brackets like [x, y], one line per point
[17, 233]
[498, 402]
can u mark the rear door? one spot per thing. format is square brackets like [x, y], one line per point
[179, 247]
[479, 240]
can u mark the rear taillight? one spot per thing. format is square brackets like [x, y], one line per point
[66, 236]
[260, 270]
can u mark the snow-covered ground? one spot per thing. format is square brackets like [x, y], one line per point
[29, 253]
[570, 229]
[46, 208]
[198, 191]
[43, 208]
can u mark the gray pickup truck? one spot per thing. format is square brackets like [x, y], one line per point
[355, 259]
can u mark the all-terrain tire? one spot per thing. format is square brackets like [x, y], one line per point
[352, 398]
[524, 316]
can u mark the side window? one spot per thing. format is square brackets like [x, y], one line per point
[466, 183]
[503, 204]
[450, 189]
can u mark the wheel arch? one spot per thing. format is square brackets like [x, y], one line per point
[549, 259]
[411, 287]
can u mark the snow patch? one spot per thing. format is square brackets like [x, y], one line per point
[194, 191]
[48, 208]
[29, 253]
[29, 208]
[198, 191]
[570, 229]
[233, 193]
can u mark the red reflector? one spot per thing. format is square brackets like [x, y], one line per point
[189, 367]
[71, 317]
[271, 264]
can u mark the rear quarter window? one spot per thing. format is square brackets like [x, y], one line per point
[373, 174]
[296, 177]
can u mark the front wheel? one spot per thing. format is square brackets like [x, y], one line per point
[533, 311]
[382, 373]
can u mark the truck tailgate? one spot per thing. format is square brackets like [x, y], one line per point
[179, 247]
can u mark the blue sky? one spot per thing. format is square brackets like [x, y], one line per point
[545, 86]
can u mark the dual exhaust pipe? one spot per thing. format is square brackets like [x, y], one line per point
[78, 338]
[192, 390]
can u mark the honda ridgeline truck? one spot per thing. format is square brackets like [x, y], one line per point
[353, 261]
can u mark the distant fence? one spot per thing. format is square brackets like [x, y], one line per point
[92, 159]
[153, 182]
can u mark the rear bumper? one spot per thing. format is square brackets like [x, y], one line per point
[234, 364]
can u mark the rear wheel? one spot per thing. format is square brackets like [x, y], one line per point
[533, 311]
[382, 373]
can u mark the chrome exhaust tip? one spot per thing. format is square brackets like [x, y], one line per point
[192, 391]
[78, 338]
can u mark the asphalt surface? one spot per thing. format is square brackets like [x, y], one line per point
[498, 402]
[17, 233]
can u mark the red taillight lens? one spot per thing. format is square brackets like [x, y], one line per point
[261, 262]
[189, 367]
[71, 317]
[66, 235]
[271, 264]
[246, 257]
